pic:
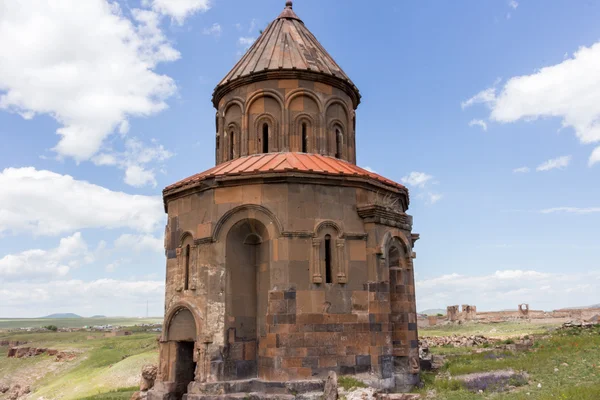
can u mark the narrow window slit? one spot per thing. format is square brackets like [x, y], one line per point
[304, 139]
[328, 271]
[265, 138]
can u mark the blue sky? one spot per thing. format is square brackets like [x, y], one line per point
[488, 111]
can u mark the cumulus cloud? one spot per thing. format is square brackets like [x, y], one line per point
[367, 168]
[135, 160]
[103, 296]
[513, 4]
[46, 203]
[571, 210]
[507, 288]
[179, 10]
[419, 179]
[91, 68]
[214, 30]
[479, 122]
[521, 170]
[569, 90]
[555, 163]
[140, 243]
[33, 265]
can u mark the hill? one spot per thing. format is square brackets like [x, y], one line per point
[98, 316]
[62, 316]
[433, 311]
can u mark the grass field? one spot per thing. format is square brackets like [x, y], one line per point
[16, 323]
[103, 365]
[563, 365]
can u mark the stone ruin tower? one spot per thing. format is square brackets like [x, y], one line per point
[286, 260]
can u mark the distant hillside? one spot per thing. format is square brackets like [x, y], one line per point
[62, 316]
[579, 308]
[433, 311]
[98, 316]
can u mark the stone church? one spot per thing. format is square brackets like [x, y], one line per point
[286, 260]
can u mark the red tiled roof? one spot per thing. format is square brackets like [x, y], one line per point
[284, 162]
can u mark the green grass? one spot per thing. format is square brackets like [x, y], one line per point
[103, 366]
[119, 394]
[580, 349]
[16, 323]
[349, 382]
[498, 330]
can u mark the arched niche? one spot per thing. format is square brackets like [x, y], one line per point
[304, 108]
[232, 121]
[247, 260]
[265, 106]
[304, 137]
[182, 326]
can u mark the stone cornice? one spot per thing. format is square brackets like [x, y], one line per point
[379, 214]
[347, 87]
[283, 177]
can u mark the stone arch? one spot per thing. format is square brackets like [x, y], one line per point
[233, 116]
[246, 211]
[174, 310]
[234, 141]
[247, 271]
[303, 92]
[337, 138]
[273, 136]
[278, 116]
[312, 129]
[329, 224]
[184, 235]
[234, 101]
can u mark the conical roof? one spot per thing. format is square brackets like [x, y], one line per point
[289, 47]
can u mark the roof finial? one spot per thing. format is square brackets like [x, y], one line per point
[289, 4]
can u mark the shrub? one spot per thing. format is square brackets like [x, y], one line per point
[52, 328]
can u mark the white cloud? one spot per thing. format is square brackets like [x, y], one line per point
[179, 10]
[434, 197]
[46, 203]
[134, 160]
[367, 168]
[140, 243]
[214, 30]
[419, 179]
[33, 265]
[508, 288]
[594, 157]
[560, 163]
[521, 170]
[479, 122]
[487, 97]
[571, 210]
[90, 68]
[246, 42]
[569, 90]
[103, 296]
[513, 4]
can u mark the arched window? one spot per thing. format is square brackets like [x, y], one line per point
[218, 145]
[304, 138]
[338, 143]
[231, 144]
[328, 266]
[265, 138]
[186, 283]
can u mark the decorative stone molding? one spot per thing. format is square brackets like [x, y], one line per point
[381, 215]
[315, 262]
[342, 275]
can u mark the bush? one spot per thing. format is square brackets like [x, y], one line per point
[52, 328]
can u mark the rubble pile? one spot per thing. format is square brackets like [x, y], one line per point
[456, 341]
[25, 352]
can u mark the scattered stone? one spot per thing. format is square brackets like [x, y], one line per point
[456, 341]
[149, 373]
[4, 388]
[139, 395]
[331, 387]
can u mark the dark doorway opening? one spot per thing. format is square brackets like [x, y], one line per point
[185, 367]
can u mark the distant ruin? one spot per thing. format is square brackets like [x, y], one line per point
[456, 314]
